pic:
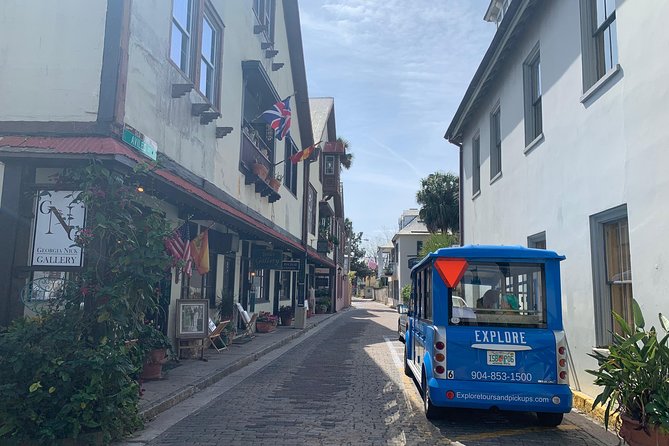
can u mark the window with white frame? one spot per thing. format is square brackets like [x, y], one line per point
[182, 30]
[476, 164]
[495, 143]
[612, 271]
[599, 40]
[196, 46]
[264, 10]
[532, 87]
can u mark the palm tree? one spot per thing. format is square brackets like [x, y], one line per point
[439, 200]
[347, 158]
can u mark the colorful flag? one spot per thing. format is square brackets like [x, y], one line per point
[304, 154]
[278, 117]
[200, 248]
[178, 245]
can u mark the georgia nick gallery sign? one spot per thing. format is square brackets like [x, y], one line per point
[57, 222]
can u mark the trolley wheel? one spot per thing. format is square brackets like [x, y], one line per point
[407, 370]
[428, 406]
[550, 419]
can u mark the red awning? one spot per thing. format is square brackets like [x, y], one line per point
[110, 146]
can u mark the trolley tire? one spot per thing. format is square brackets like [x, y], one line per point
[550, 419]
[431, 411]
[407, 369]
[399, 335]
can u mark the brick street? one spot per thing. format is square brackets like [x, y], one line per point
[345, 386]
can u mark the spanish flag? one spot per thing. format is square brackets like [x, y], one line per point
[304, 154]
[199, 247]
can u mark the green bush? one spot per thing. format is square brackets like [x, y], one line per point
[635, 373]
[71, 371]
[406, 294]
[56, 384]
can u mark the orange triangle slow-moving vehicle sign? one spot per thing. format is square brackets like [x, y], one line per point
[451, 270]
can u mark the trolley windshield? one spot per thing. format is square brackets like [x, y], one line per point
[500, 294]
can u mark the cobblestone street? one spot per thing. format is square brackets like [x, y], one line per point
[345, 385]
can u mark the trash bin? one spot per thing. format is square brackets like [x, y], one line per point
[300, 317]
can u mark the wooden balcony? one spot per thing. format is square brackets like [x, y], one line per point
[252, 153]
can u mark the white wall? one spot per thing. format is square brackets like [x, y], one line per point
[406, 248]
[595, 155]
[151, 109]
[54, 74]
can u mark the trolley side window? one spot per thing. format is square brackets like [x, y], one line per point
[422, 288]
[500, 294]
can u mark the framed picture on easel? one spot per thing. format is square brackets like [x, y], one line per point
[192, 318]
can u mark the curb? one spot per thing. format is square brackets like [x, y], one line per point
[584, 403]
[171, 400]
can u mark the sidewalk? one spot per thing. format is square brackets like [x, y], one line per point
[190, 376]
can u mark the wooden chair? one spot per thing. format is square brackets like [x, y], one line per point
[216, 335]
[249, 321]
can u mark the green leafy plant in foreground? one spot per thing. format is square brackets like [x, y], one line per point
[635, 373]
[70, 371]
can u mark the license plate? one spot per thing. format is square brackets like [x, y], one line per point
[501, 358]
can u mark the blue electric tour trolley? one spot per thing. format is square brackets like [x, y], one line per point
[485, 331]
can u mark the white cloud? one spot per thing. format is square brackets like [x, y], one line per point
[397, 70]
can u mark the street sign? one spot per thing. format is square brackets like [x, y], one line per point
[142, 143]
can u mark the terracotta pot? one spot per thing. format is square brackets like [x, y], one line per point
[635, 436]
[275, 184]
[286, 321]
[153, 364]
[260, 170]
[264, 327]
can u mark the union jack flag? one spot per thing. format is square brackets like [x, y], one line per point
[278, 117]
[178, 245]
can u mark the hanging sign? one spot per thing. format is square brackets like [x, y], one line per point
[266, 258]
[57, 222]
[290, 265]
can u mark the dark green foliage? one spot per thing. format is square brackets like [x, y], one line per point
[72, 369]
[439, 199]
[406, 294]
[436, 241]
[635, 374]
[56, 384]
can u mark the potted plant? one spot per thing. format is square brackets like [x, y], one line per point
[155, 346]
[322, 305]
[260, 170]
[635, 380]
[266, 322]
[275, 182]
[228, 333]
[286, 313]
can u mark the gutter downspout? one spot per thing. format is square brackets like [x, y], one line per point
[460, 199]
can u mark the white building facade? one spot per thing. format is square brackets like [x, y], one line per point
[192, 78]
[562, 134]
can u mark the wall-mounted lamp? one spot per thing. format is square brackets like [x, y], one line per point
[140, 189]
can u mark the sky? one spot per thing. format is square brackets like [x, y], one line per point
[397, 70]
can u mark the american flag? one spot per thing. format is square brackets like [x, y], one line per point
[278, 117]
[178, 245]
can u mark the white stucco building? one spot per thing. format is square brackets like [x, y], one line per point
[407, 243]
[562, 134]
[189, 78]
